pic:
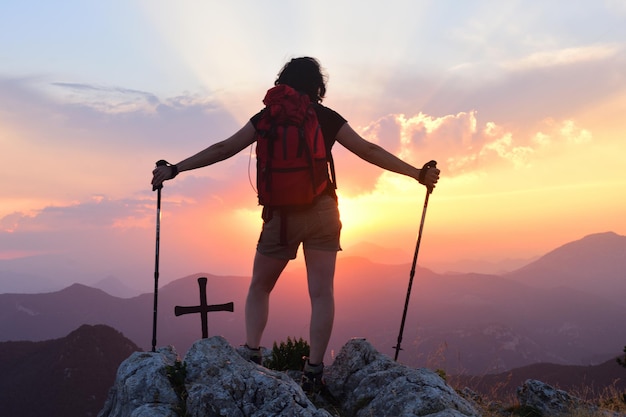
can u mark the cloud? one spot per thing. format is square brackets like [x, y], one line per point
[565, 132]
[75, 147]
[134, 128]
[113, 100]
[206, 225]
[464, 143]
[110, 114]
[564, 57]
[108, 99]
[101, 143]
[98, 212]
[83, 241]
[616, 6]
[521, 90]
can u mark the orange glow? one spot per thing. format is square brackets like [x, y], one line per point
[529, 135]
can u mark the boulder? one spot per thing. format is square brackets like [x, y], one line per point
[222, 383]
[547, 400]
[368, 383]
[213, 379]
[142, 388]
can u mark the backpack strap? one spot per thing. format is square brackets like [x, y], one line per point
[283, 227]
[331, 164]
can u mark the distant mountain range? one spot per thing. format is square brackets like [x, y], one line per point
[69, 376]
[469, 324]
[397, 256]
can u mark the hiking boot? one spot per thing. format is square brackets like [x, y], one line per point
[312, 378]
[253, 355]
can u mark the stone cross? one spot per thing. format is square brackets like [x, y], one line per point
[203, 308]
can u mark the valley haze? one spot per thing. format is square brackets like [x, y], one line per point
[53, 272]
[561, 308]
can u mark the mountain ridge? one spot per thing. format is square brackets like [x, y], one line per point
[586, 382]
[38, 376]
[569, 265]
[28, 276]
[478, 323]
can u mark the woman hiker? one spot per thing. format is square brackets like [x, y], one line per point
[317, 227]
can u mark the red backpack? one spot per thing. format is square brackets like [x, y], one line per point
[292, 160]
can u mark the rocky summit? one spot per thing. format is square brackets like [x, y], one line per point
[213, 379]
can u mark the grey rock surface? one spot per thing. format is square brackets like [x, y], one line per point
[213, 379]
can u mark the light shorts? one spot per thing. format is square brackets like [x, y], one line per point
[317, 227]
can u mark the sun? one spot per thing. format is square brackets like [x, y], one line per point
[355, 217]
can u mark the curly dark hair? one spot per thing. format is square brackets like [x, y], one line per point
[304, 74]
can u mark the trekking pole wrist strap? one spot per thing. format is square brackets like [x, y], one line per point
[422, 176]
[174, 168]
[174, 171]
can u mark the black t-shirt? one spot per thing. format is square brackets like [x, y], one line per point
[329, 120]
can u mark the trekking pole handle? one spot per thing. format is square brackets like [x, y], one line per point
[159, 163]
[424, 171]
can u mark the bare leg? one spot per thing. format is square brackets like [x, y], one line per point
[320, 267]
[265, 273]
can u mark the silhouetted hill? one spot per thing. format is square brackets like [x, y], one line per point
[52, 315]
[594, 264]
[463, 323]
[64, 377]
[600, 381]
[476, 323]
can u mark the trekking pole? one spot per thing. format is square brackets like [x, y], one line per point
[428, 165]
[156, 258]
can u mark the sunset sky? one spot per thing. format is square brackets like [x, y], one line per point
[521, 103]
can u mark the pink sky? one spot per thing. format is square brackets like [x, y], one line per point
[524, 115]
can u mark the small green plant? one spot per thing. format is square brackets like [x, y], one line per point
[288, 355]
[177, 374]
[524, 411]
[362, 403]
